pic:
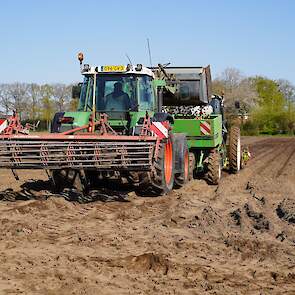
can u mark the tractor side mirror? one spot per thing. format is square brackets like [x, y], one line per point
[76, 91]
[237, 104]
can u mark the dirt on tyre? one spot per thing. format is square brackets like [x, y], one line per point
[161, 179]
[214, 168]
[182, 161]
[234, 153]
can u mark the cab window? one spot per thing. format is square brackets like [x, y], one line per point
[146, 93]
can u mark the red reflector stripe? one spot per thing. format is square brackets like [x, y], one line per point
[3, 124]
[160, 129]
[205, 128]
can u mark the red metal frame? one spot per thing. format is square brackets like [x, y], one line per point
[79, 136]
[103, 132]
[86, 147]
[101, 127]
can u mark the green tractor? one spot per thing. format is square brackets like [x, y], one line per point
[155, 127]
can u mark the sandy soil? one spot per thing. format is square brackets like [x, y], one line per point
[235, 238]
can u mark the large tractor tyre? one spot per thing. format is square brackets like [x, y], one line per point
[161, 179]
[182, 161]
[68, 178]
[235, 150]
[214, 168]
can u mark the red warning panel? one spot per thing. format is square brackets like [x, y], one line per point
[3, 124]
[205, 128]
[160, 129]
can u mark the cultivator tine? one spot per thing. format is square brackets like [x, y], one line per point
[70, 154]
[16, 151]
[44, 153]
[15, 174]
[124, 156]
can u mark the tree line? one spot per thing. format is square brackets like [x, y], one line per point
[268, 105]
[35, 102]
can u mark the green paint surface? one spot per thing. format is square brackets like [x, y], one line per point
[191, 128]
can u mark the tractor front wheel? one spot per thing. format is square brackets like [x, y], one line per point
[182, 161]
[160, 180]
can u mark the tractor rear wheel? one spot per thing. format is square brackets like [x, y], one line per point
[235, 150]
[160, 180]
[214, 168]
[182, 161]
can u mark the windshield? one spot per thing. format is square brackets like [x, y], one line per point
[118, 93]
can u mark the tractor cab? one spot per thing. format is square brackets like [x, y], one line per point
[124, 93]
[117, 92]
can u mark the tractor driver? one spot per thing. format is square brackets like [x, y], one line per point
[118, 100]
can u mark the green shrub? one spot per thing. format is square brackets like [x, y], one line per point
[249, 128]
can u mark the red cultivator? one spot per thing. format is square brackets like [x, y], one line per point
[78, 148]
[95, 147]
[12, 125]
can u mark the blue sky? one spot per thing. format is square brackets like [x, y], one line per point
[40, 39]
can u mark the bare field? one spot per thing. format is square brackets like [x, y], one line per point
[235, 238]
